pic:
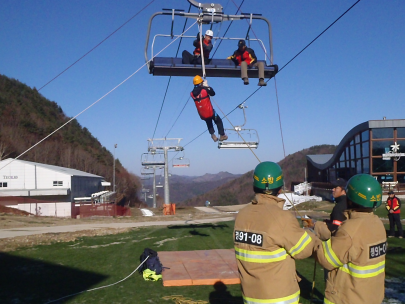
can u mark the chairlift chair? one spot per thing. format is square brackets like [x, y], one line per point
[181, 162]
[240, 138]
[209, 14]
[152, 159]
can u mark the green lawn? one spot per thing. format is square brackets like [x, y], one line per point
[43, 273]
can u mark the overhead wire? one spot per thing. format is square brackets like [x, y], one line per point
[96, 46]
[98, 100]
[255, 91]
[170, 78]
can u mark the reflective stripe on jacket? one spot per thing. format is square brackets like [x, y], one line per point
[356, 257]
[267, 241]
[203, 104]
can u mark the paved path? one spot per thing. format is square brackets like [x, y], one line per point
[24, 231]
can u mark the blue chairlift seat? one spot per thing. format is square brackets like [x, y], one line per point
[169, 66]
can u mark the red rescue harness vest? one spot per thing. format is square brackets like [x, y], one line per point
[394, 205]
[203, 104]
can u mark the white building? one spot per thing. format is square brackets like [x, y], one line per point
[55, 187]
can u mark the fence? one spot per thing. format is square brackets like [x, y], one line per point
[102, 210]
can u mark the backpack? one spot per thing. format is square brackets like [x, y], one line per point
[152, 263]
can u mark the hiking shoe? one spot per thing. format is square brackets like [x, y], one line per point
[400, 237]
[214, 137]
[390, 236]
[262, 83]
[223, 137]
[245, 81]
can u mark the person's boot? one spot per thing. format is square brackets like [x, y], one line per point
[262, 83]
[245, 81]
[223, 137]
[214, 137]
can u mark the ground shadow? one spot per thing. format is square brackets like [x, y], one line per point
[32, 281]
[306, 289]
[196, 233]
[221, 295]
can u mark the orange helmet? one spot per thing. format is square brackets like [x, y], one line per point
[197, 80]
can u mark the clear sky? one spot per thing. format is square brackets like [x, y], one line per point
[351, 74]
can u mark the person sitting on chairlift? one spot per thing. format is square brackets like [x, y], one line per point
[196, 57]
[201, 96]
[246, 58]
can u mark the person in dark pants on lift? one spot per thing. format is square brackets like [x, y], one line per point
[393, 206]
[201, 96]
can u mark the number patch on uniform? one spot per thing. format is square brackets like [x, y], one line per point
[378, 250]
[249, 238]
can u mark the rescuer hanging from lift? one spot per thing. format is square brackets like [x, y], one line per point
[201, 96]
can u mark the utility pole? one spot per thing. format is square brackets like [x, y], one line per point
[115, 146]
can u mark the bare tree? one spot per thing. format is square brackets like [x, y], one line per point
[3, 151]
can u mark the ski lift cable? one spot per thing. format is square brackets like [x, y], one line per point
[226, 116]
[98, 100]
[170, 78]
[255, 91]
[96, 46]
[178, 116]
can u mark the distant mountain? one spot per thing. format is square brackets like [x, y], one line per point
[185, 187]
[26, 117]
[240, 190]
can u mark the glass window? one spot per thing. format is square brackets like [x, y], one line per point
[401, 178]
[342, 164]
[401, 164]
[383, 133]
[400, 132]
[366, 165]
[358, 153]
[60, 183]
[342, 157]
[55, 183]
[380, 165]
[1, 185]
[352, 142]
[357, 138]
[380, 147]
[4, 185]
[358, 166]
[352, 152]
[365, 149]
[365, 135]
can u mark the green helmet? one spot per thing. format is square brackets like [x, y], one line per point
[268, 175]
[364, 190]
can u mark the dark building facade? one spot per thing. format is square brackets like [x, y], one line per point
[375, 147]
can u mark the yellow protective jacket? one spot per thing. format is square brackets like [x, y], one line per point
[356, 257]
[267, 240]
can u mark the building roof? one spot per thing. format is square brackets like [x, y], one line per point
[68, 171]
[320, 158]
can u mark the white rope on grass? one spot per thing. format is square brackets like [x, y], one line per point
[71, 295]
[49, 135]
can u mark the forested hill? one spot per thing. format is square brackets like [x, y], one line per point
[26, 117]
[240, 190]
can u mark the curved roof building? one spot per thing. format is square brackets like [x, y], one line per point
[376, 147]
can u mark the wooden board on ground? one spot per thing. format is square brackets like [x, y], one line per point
[199, 267]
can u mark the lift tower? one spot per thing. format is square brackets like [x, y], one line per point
[165, 144]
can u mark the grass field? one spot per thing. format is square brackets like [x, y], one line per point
[43, 273]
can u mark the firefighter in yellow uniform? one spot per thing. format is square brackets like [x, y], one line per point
[267, 241]
[356, 253]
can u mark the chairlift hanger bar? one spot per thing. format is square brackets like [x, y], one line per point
[207, 18]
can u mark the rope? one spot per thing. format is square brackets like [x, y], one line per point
[95, 47]
[202, 50]
[46, 137]
[279, 116]
[226, 116]
[178, 299]
[71, 295]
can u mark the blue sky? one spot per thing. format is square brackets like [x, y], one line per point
[351, 74]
